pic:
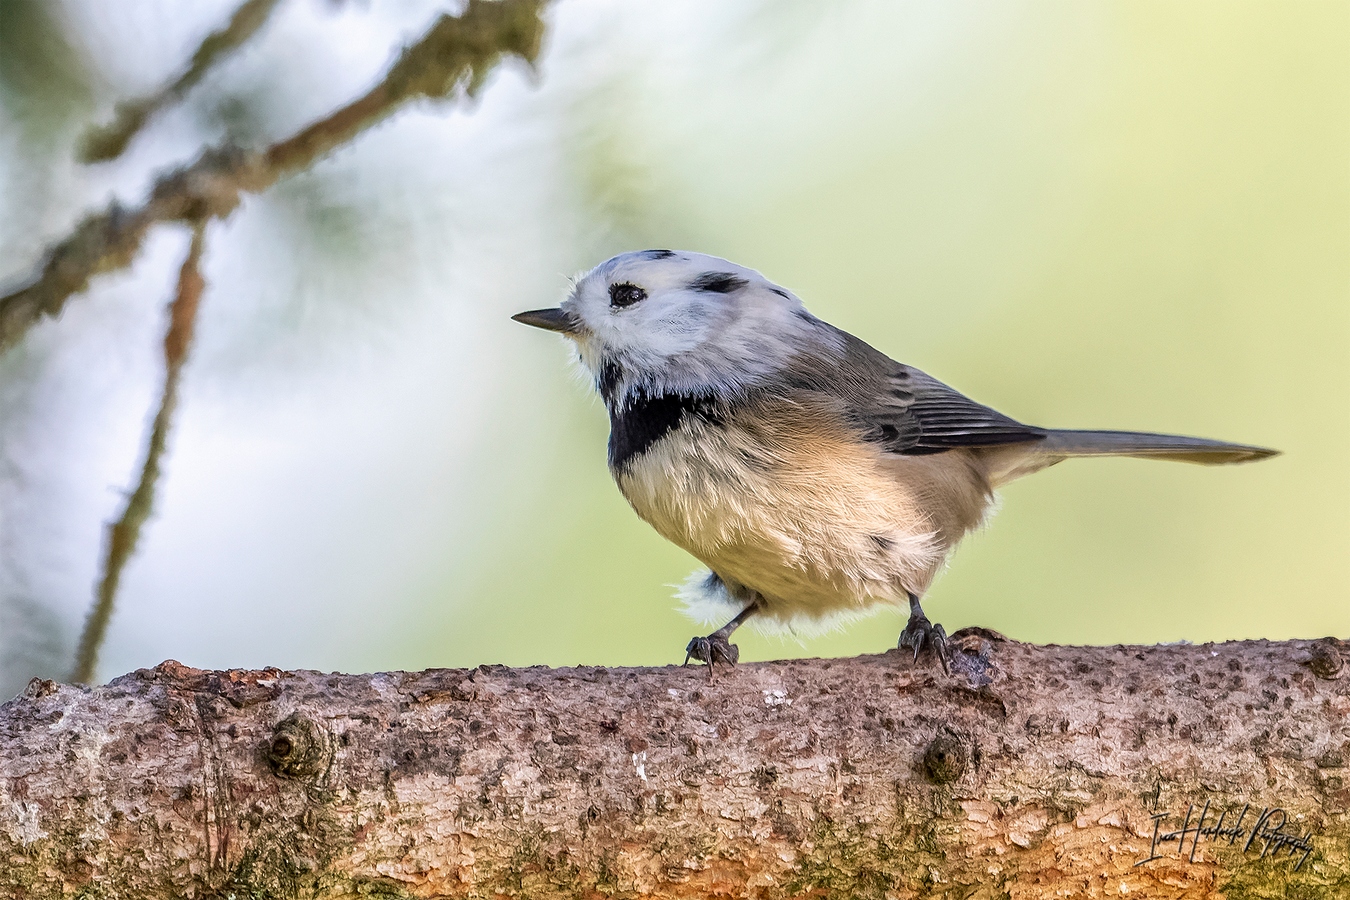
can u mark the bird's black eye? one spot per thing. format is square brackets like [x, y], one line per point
[625, 294]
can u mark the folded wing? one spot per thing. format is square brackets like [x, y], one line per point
[910, 412]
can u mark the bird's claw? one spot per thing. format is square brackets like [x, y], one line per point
[711, 650]
[920, 632]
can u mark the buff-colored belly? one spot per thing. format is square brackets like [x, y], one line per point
[814, 522]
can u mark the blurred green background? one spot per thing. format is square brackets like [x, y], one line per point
[1119, 215]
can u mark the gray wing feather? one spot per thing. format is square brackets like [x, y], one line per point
[910, 412]
[934, 418]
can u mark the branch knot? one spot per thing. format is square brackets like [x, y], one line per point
[300, 749]
[946, 757]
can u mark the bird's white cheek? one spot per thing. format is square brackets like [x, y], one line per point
[589, 349]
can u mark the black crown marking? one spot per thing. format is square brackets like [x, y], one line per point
[718, 283]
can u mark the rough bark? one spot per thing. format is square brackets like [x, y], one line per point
[1029, 772]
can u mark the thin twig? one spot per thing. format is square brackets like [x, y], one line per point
[124, 533]
[105, 142]
[455, 53]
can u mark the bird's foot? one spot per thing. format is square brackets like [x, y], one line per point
[920, 633]
[712, 649]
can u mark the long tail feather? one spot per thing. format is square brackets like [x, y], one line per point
[1151, 446]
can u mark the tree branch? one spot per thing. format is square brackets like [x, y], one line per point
[456, 52]
[105, 142]
[126, 531]
[1031, 772]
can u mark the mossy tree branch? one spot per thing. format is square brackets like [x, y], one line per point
[456, 54]
[1030, 772]
[105, 142]
[124, 533]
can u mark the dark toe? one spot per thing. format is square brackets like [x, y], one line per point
[700, 648]
[920, 633]
[937, 638]
[916, 633]
[712, 650]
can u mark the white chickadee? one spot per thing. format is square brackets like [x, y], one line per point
[814, 475]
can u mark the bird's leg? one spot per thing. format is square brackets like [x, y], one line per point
[715, 647]
[919, 631]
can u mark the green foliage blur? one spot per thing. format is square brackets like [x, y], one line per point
[1129, 215]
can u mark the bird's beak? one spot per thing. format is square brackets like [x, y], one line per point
[550, 320]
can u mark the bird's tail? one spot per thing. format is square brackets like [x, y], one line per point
[1010, 461]
[1064, 444]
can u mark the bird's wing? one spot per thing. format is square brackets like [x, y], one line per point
[910, 412]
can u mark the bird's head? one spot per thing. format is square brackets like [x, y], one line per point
[673, 322]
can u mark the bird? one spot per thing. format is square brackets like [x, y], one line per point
[816, 478]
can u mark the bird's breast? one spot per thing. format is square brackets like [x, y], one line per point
[644, 420]
[780, 496]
